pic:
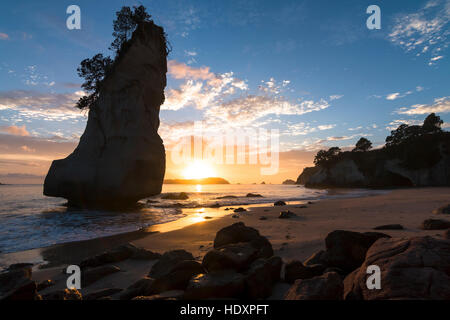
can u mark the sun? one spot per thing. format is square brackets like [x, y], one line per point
[198, 170]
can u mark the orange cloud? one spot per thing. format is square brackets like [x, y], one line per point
[180, 70]
[15, 130]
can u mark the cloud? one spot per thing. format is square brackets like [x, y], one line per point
[302, 128]
[434, 59]
[424, 31]
[392, 96]
[336, 97]
[396, 123]
[4, 36]
[15, 130]
[46, 106]
[440, 105]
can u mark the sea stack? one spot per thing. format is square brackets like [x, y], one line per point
[120, 157]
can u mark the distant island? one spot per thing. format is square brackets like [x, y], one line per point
[212, 180]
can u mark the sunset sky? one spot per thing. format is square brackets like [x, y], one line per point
[310, 69]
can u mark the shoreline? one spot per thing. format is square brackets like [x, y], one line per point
[49, 256]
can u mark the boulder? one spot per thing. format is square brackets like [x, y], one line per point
[168, 261]
[240, 209]
[279, 203]
[316, 258]
[96, 295]
[435, 224]
[236, 256]
[216, 285]
[117, 254]
[177, 277]
[142, 287]
[16, 284]
[416, 268]
[239, 232]
[326, 287]
[63, 294]
[261, 276]
[389, 227]
[347, 249]
[120, 157]
[92, 275]
[296, 270]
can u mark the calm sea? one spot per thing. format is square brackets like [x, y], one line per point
[30, 220]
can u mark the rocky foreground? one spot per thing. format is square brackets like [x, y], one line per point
[242, 265]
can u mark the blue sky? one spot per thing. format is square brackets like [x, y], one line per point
[311, 69]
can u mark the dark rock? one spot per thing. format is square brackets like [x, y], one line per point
[447, 234]
[286, 214]
[443, 210]
[120, 158]
[142, 287]
[254, 195]
[102, 293]
[168, 261]
[239, 232]
[389, 227]
[16, 284]
[63, 294]
[240, 209]
[236, 216]
[45, 284]
[175, 196]
[227, 197]
[262, 218]
[236, 256]
[261, 277]
[347, 249]
[115, 255]
[168, 295]
[279, 203]
[335, 269]
[288, 181]
[416, 268]
[215, 285]
[17, 266]
[316, 258]
[90, 276]
[435, 224]
[177, 277]
[216, 205]
[326, 287]
[296, 270]
[144, 254]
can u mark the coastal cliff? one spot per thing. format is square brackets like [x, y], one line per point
[422, 162]
[120, 157]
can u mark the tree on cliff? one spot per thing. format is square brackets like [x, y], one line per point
[362, 145]
[432, 124]
[324, 157]
[125, 24]
[94, 70]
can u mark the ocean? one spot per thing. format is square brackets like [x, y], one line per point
[29, 220]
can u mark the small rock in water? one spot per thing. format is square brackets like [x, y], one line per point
[389, 227]
[254, 195]
[240, 209]
[279, 203]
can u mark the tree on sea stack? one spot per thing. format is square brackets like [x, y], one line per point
[362, 145]
[324, 157]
